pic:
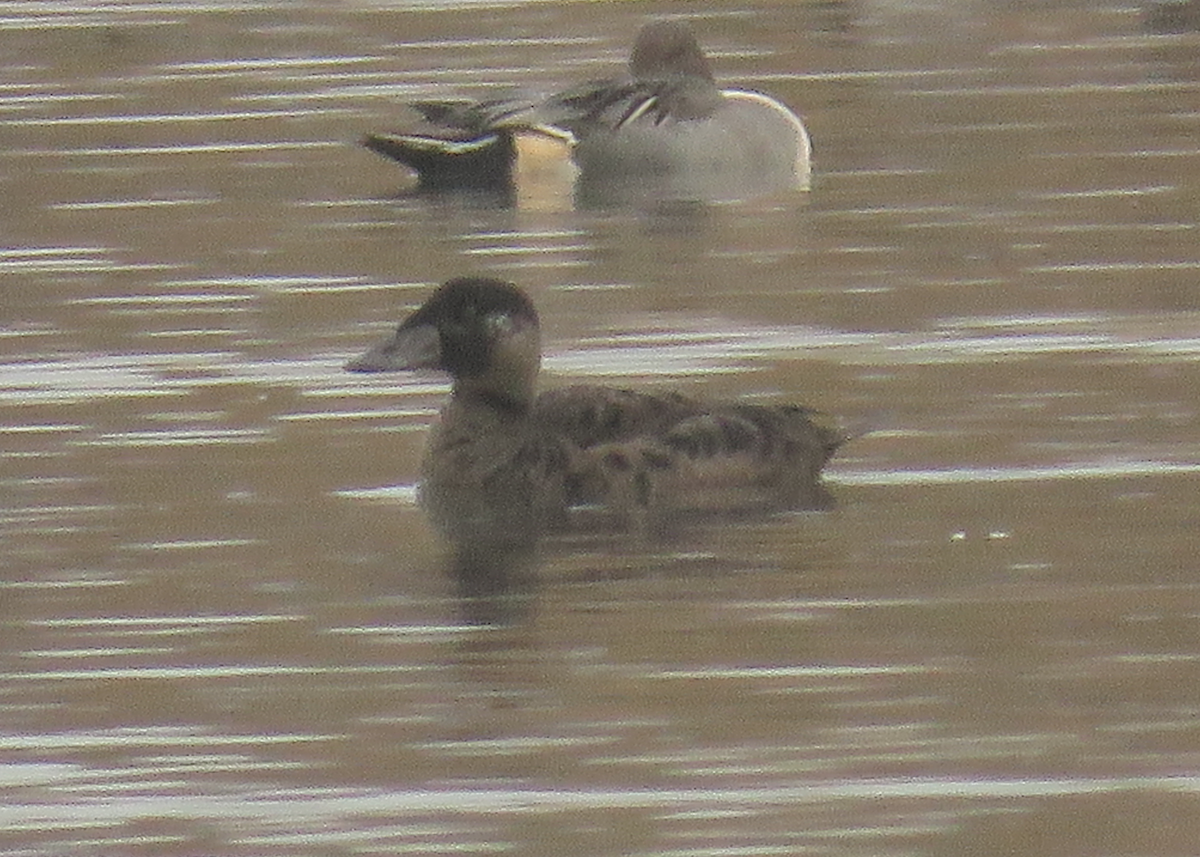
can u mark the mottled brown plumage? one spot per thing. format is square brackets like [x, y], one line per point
[505, 459]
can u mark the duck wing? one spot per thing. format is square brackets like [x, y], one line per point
[615, 103]
[587, 416]
[590, 415]
[464, 114]
[633, 450]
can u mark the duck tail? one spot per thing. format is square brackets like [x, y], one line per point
[459, 161]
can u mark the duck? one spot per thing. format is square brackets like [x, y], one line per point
[666, 119]
[505, 458]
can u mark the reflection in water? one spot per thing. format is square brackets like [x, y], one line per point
[496, 579]
[467, 198]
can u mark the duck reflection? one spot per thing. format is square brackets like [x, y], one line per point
[495, 579]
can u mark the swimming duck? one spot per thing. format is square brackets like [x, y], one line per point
[504, 458]
[666, 118]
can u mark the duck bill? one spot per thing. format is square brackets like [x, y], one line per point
[410, 347]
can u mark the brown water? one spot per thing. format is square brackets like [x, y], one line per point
[225, 628]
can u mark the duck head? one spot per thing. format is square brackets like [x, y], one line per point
[483, 332]
[667, 48]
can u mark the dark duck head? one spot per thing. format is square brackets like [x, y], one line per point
[666, 48]
[483, 332]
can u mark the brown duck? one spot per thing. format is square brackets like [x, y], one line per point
[504, 459]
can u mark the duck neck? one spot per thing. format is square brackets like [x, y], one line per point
[508, 399]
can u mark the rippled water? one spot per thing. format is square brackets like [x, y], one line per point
[225, 627]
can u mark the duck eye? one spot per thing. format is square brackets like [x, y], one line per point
[498, 323]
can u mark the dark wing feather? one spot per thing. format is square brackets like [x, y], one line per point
[616, 103]
[476, 117]
[628, 448]
[587, 416]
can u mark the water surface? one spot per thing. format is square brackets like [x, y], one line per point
[227, 628]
